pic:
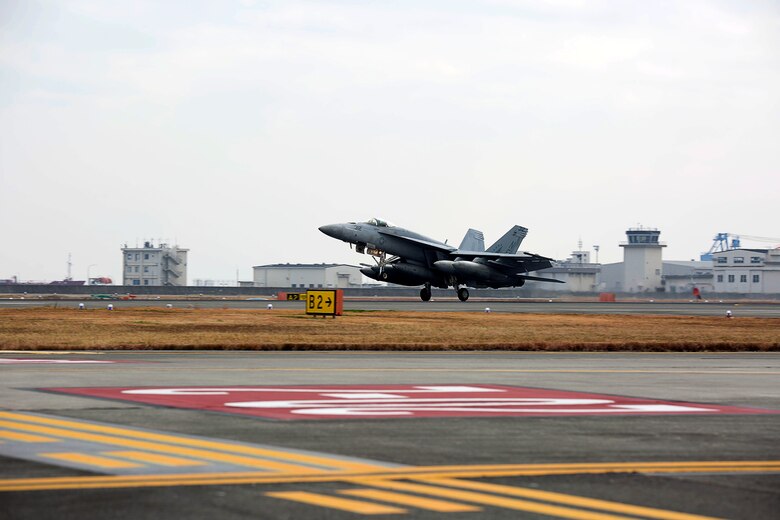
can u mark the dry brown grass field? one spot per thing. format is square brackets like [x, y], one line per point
[153, 328]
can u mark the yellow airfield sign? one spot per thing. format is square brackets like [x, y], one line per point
[324, 303]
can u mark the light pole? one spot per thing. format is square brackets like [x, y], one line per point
[90, 266]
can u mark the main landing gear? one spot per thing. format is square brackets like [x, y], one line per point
[425, 293]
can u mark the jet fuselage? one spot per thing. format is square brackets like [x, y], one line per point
[420, 260]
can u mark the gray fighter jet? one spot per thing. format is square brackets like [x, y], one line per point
[407, 258]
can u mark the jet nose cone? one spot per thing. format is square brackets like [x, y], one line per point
[332, 230]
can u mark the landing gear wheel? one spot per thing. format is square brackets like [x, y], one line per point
[463, 294]
[425, 294]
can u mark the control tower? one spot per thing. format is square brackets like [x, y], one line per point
[642, 260]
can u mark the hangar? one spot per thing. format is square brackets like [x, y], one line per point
[307, 276]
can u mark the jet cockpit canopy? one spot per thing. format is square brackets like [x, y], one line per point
[379, 223]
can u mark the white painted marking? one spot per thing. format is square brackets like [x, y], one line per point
[408, 406]
[321, 391]
[365, 396]
[661, 408]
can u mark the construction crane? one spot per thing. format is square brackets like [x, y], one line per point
[721, 243]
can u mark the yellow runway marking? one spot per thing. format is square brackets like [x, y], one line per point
[344, 504]
[493, 500]
[416, 473]
[571, 500]
[154, 458]
[164, 448]
[91, 460]
[403, 499]
[324, 462]
[25, 437]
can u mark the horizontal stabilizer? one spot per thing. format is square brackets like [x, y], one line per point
[540, 279]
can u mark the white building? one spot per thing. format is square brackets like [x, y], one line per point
[307, 276]
[642, 260]
[576, 271]
[747, 271]
[642, 265]
[150, 265]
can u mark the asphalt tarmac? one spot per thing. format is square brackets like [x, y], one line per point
[396, 435]
[702, 308]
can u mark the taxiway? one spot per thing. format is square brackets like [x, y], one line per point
[176, 461]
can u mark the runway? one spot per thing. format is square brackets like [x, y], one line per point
[656, 307]
[402, 435]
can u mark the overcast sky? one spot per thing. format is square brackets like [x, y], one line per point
[237, 128]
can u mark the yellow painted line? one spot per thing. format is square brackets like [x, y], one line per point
[416, 473]
[572, 500]
[91, 460]
[25, 437]
[403, 499]
[154, 458]
[343, 504]
[165, 448]
[493, 500]
[325, 462]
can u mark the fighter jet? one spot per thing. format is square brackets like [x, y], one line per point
[407, 258]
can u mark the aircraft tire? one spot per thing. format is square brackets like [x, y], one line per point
[425, 294]
[463, 294]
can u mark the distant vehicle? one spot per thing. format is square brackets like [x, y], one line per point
[419, 260]
[101, 280]
[112, 296]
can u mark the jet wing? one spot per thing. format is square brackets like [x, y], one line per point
[499, 256]
[510, 264]
[425, 243]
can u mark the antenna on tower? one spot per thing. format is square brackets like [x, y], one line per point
[596, 249]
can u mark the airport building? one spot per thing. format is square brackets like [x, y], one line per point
[577, 271]
[682, 277]
[308, 276]
[642, 266]
[154, 265]
[643, 269]
[747, 271]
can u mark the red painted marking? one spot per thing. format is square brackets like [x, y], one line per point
[396, 401]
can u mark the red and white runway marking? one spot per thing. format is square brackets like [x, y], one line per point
[401, 401]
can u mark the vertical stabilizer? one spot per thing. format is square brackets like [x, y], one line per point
[510, 242]
[473, 241]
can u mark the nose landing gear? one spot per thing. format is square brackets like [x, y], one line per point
[425, 292]
[463, 294]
